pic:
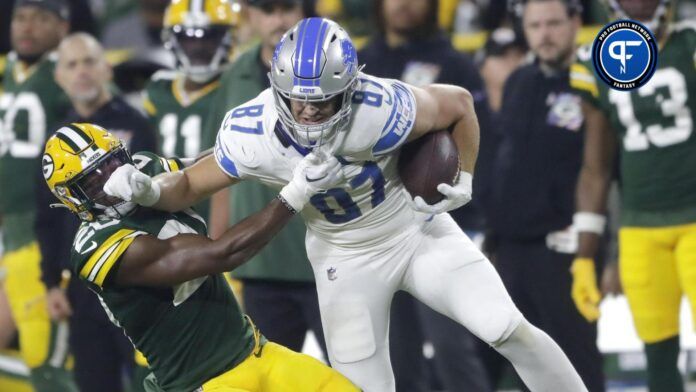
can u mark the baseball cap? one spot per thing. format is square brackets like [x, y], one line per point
[58, 7]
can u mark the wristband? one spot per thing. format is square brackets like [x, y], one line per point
[286, 204]
[590, 222]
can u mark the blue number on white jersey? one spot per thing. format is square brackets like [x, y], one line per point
[370, 172]
[383, 115]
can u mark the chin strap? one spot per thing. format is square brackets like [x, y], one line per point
[58, 205]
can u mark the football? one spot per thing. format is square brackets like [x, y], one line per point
[427, 162]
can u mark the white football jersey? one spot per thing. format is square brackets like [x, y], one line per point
[366, 209]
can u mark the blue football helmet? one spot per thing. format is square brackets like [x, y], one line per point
[315, 61]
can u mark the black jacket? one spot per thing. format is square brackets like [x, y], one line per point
[539, 156]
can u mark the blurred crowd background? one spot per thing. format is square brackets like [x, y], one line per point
[131, 30]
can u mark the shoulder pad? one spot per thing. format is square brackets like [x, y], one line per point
[242, 132]
[97, 248]
[684, 25]
[584, 53]
[385, 111]
[152, 164]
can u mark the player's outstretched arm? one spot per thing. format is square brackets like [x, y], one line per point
[153, 262]
[172, 191]
[440, 106]
[185, 188]
[149, 261]
[589, 220]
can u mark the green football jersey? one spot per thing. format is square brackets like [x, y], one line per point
[190, 332]
[654, 127]
[31, 106]
[178, 115]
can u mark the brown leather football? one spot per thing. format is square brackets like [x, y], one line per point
[427, 162]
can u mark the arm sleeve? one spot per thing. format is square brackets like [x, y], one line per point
[225, 159]
[98, 263]
[401, 116]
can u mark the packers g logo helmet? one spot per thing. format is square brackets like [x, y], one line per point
[199, 33]
[77, 161]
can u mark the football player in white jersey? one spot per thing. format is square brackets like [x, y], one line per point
[366, 239]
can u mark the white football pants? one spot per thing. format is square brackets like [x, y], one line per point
[436, 262]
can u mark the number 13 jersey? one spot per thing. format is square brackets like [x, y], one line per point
[654, 126]
[368, 207]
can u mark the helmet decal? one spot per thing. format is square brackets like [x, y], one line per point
[47, 166]
[350, 58]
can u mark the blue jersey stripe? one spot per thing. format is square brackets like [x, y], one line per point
[400, 122]
[223, 161]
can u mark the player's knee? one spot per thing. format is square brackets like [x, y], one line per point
[522, 333]
[499, 326]
[350, 333]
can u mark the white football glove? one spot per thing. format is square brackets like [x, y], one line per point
[455, 196]
[130, 184]
[311, 175]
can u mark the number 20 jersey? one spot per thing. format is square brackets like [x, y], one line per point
[368, 207]
[655, 131]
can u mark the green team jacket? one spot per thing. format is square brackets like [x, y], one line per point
[284, 258]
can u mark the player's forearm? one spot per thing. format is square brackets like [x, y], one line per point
[183, 189]
[466, 135]
[176, 192]
[153, 262]
[243, 240]
[592, 190]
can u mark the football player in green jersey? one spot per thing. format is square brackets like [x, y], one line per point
[199, 34]
[652, 129]
[30, 103]
[160, 278]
